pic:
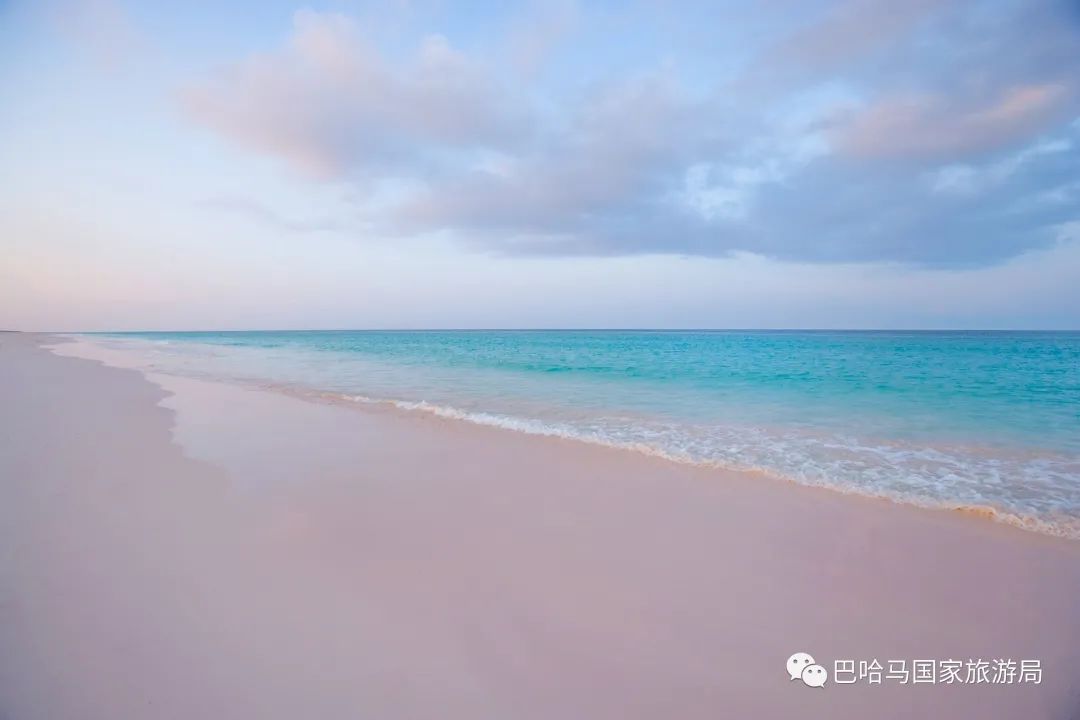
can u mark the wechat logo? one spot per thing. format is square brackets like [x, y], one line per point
[801, 666]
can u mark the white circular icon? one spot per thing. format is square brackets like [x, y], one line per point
[797, 663]
[814, 675]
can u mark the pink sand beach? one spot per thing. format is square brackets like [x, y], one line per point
[178, 548]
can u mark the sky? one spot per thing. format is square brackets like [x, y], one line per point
[431, 164]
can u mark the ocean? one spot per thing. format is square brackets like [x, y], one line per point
[982, 421]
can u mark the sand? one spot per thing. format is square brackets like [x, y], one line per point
[175, 548]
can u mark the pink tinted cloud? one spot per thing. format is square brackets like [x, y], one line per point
[329, 104]
[934, 127]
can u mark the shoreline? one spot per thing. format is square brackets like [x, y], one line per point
[1063, 528]
[216, 550]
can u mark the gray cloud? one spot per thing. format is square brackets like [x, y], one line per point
[841, 33]
[908, 151]
[621, 148]
[840, 212]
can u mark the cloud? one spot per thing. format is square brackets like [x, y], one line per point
[876, 132]
[620, 151]
[846, 31]
[935, 127]
[330, 105]
[937, 80]
[969, 180]
[956, 216]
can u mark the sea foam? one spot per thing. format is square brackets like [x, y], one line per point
[985, 424]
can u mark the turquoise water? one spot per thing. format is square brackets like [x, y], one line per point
[987, 419]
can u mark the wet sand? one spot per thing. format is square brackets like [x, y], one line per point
[175, 548]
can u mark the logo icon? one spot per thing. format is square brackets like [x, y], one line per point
[801, 666]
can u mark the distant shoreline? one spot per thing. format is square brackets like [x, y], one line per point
[884, 415]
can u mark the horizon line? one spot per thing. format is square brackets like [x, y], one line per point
[563, 329]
